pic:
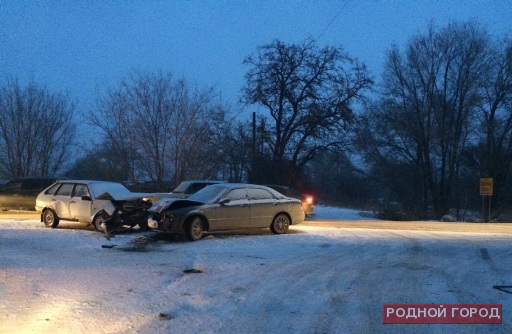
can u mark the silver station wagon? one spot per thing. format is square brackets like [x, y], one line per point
[93, 202]
[226, 206]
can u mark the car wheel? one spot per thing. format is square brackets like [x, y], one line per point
[50, 219]
[194, 228]
[280, 224]
[98, 220]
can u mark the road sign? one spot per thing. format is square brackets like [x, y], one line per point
[486, 186]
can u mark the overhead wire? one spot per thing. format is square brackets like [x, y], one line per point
[331, 22]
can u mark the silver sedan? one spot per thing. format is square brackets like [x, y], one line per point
[227, 206]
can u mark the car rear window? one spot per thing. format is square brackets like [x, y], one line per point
[52, 189]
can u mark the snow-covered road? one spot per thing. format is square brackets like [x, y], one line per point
[312, 280]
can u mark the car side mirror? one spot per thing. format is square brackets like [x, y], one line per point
[224, 201]
[86, 198]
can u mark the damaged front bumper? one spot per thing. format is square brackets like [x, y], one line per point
[152, 223]
[165, 222]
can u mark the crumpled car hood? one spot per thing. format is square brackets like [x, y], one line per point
[172, 203]
[123, 197]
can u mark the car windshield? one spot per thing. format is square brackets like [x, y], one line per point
[181, 187]
[209, 194]
[114, 189]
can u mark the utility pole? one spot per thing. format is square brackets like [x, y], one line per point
[253, 146]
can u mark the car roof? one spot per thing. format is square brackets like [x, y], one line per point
[202, 181]
[243, 185]
[274, 186]
[249, 186]
[237, 185]
[84, 181]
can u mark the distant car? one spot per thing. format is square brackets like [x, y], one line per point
[20, 194]
[184, 189]
[307, 200]
[187, 188]
[92, 202]
[225, 206]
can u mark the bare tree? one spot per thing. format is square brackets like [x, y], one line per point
[160, 128]
[37, 130]
[151, 105]
[117, 143]
[308, 93]
[495, 112]
[427, 117]
[237, 152]
[196, 133]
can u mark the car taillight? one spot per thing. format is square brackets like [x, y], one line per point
[308, 199]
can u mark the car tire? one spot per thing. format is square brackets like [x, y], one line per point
[50, 219]
[194, 228]
[280, 224]
[98, 220]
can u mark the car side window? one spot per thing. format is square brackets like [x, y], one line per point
[65, 190]
[259, 194]
[236, 195]
[80, 190]
[52, 189]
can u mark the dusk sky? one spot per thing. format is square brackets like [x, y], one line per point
[82, 47]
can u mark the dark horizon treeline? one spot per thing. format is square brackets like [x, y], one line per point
[416, 142]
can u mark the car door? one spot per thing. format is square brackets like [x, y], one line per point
[233, 212]
[263, 207]
[80, 206]
[61, 199]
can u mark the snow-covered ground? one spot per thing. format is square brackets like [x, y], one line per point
[312, 280]
[322, 212]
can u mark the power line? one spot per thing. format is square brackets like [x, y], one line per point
[331, 22]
